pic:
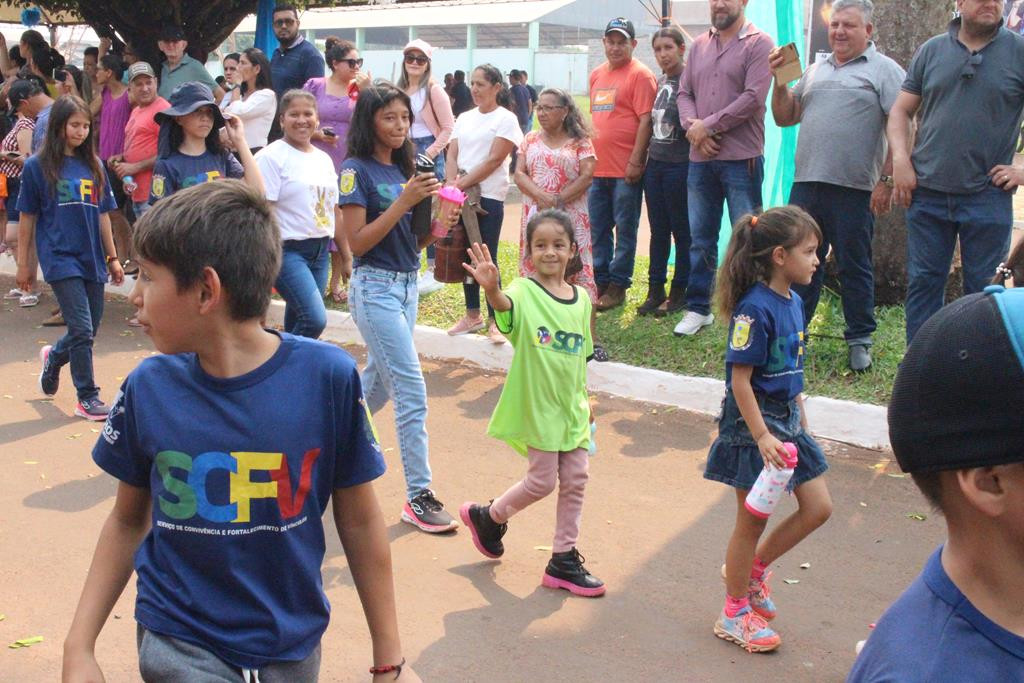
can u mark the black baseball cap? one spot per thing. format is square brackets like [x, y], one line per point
[958, 399]
[621, 25]
[21, 90]
[171, 32]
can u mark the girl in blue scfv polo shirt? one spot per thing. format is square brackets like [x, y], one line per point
[763, 408]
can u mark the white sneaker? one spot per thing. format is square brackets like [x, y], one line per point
[427, 284]
[13, 294]
[28, 300]
[692, 323]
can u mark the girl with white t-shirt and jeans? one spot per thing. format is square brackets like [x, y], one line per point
[481, 145]
[303, 188]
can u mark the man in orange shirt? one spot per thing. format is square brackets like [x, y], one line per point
[140, 136]
[622, 94]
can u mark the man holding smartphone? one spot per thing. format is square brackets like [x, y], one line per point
[843, 175]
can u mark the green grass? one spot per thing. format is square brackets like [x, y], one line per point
[649, 342]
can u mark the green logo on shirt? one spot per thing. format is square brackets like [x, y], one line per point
[563, 342]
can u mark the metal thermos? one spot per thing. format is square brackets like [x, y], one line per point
[421, 213]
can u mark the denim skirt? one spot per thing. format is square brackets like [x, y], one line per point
[734, 458]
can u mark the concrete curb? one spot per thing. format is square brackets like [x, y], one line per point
[846, 421]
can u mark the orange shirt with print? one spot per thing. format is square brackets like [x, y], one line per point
[618, 98]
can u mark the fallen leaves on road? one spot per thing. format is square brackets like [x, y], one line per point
[917, 516]
[896, 475]
[26, 642]
[805, 565]
[31, 462]
[791, 581]
[544, 548]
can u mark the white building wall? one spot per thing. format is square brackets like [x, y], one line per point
[554, 69]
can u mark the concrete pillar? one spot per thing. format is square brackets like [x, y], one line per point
[413, 33]
[470, 48]
[360, 38]
[533, 44]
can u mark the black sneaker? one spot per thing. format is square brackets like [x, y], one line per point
[485, 531]
[92, 409]
[565, 570]
[49, 376]
[428, 514]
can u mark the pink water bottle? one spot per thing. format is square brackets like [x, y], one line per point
[767, 490]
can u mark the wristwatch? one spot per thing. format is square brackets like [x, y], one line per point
[887, 179]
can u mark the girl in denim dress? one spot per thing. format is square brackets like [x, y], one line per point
[763, 408]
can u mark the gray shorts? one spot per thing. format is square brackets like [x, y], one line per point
[163, 659]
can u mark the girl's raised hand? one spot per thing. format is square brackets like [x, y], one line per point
[772, 451]
[235, 131]
[420, 186]
[482, 268]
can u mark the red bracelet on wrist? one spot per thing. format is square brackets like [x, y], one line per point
[388, 668]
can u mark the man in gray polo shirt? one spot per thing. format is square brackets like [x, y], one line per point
[968, 86]
[179, 67]
[842, 170]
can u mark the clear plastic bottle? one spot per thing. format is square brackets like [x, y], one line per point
[767, 490]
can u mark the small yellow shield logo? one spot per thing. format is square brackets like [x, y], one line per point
[740, 339]
[158, 186]
[347, 182]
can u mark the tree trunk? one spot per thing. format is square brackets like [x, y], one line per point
[901, 26]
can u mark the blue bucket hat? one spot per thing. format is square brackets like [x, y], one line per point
[185, 99]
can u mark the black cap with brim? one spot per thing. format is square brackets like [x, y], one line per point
[621, 25]
[171, 32]
[20, 91]
[958, 398]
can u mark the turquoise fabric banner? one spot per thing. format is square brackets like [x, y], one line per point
[783, 20]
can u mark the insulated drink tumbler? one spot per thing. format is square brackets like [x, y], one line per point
[767, 490]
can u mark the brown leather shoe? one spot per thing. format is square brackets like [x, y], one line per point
[601, 287]
[55, 320]
[612, 297]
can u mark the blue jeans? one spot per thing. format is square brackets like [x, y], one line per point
[383, 304]
[490, 232]
[708, 184]
[301, 284]
[421, 145]
[81, 303]
[934, 220]
[140, 208]
[614, 205]
[666, 211]
[844, 216]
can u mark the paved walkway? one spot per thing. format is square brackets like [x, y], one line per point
[653, 529]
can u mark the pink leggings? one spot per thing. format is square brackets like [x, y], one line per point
[568, 470]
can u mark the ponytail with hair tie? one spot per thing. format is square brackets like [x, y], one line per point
[753, 221]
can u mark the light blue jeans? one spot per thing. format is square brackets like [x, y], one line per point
[383, 304]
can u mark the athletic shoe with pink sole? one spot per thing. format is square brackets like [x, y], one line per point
[427, 513]
[760, 595]
[485, 531]
[748, 630]
[565, 570]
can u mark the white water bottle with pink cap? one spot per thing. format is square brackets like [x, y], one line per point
[766, 492]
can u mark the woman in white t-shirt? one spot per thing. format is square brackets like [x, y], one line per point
[479, 151]
[303, 188]
[255, 102]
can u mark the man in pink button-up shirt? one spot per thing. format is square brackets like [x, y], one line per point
[721, 99]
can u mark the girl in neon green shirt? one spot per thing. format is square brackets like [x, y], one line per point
[543, 412]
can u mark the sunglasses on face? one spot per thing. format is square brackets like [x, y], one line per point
[352, 63]
[283, 22]
[413, 59]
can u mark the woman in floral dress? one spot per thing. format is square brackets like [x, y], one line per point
[554, 171]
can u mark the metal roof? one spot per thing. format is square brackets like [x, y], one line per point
[444, 13]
